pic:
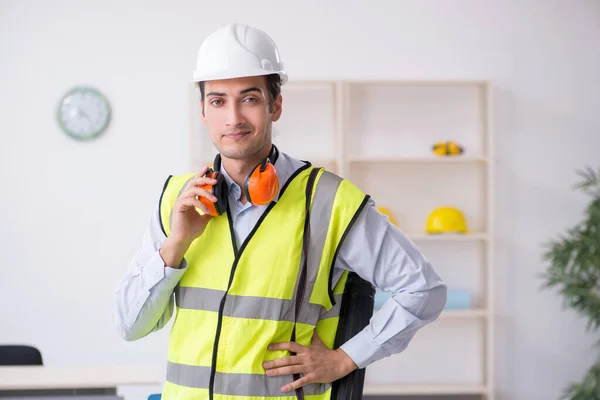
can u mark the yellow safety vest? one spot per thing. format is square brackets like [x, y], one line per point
[237, 298]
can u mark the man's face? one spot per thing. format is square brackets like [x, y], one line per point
[238, 116]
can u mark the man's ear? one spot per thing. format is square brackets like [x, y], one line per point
[202, 111]
[277, 108]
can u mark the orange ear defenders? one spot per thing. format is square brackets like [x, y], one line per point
[219, 190]
[260, 186]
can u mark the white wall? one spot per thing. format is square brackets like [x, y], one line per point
[72, 214]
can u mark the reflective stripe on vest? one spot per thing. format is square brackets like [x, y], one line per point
[251, 307]
[236, 384]
[226, 317]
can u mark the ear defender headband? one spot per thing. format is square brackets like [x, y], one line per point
[260, 186]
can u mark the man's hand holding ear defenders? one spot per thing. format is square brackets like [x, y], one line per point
[186, 222]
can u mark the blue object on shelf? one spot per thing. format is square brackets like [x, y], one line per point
[458, 299]
[154, 397]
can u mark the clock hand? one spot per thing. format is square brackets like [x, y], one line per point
[80, 111]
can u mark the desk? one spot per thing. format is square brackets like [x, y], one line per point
[70, 383]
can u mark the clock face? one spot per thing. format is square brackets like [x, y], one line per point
[83, 113]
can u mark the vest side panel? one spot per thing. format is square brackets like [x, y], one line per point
[346, 204]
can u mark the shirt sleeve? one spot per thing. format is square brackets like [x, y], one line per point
[143, 300]
[381, 254]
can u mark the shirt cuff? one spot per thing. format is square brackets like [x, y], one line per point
[363, 349]
[156, 270]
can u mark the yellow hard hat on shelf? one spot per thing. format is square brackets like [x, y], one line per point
[446, 220]
[448, 148]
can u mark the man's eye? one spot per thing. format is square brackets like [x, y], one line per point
[251, 100]
[216, 102]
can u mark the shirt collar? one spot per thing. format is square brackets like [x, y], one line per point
[282, 167]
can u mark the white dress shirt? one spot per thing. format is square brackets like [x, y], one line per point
[374, 249]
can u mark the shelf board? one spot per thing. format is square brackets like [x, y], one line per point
[420, 160]
[418, 82]
[387, 82]
[424, 389]
[467, 313]
[448, 237]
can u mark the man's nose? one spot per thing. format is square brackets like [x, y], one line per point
[235, 116]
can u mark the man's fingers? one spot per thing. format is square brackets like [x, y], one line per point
[291, 346]
[296, 384]
[196, 191]
[291, 370]
[199, 185]
[200, 181]
[282, 362]
[194, 202]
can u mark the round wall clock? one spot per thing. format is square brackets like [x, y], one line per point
[83, 113]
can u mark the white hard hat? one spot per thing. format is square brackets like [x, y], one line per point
[235, 51]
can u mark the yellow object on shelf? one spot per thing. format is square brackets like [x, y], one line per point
[386, 211]
[446, 220]
[448, 148]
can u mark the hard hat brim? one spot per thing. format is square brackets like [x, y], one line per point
[201, 77]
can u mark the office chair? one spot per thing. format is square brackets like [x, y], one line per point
[17, 355]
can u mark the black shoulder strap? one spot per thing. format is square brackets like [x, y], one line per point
[356, 311]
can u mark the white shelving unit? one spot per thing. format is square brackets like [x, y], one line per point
[379, 135]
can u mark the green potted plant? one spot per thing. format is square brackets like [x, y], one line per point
[574, 268]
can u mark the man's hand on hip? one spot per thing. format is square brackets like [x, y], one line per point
[317, 362]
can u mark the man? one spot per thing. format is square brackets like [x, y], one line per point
[258, 257]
